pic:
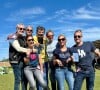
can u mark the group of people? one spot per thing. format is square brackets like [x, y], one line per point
[34, 58]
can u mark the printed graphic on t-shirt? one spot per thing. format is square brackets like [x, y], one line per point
[33, 56]
[64, 55]
[81, 53]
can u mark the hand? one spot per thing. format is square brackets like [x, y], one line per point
[68, 60]
[26, 60]
[37, 44]
[59, 62]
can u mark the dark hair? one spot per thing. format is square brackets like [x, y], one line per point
[40, 28]
[48, 32]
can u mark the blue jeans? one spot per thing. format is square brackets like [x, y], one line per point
[63, 74]
[19, 76]
[45, 75]
[80, 76]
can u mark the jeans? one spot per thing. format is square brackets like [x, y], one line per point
[32, 73]
[45, 75]
[19, 76]
[62, 74]
[80, 76]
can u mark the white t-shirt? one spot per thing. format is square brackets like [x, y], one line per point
[50, 48]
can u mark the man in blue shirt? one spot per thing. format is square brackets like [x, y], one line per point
[84, 67]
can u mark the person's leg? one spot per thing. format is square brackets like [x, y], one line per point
[69, 78]
[38, 86]
[45, 75]
[59, 74]
[90, 81]
[39, 78]
[29, 75]
[24, 81]
[52, 78]
[17, 76]
[78, 80]
[46, 72]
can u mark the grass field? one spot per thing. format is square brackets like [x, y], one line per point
[6, 82]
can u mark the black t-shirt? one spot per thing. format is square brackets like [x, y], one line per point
[85, 55]
[62, 56]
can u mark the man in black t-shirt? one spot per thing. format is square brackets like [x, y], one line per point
[84, 67]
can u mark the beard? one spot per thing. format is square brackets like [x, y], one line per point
[40, 40]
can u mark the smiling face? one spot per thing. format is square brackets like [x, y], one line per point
[78, 37]
[50, 35]
[29, 30]
[62, 40]
[30, 41]
[20, 29]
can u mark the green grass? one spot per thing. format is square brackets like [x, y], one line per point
[7, 80]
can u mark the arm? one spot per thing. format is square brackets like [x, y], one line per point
[97, 52]
[57, 61]
[69, 59]
[17, 46]
[40, 63]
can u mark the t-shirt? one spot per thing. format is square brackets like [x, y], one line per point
[62, 56]
[85, 55]
[34, 58]
[42, 47]
[50, 48]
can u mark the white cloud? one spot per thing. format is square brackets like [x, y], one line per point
[31, 11]
[85, 13]
[23, 14]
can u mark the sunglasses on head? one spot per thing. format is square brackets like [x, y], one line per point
[29, 30]
[77, 36]
[62, 39]
[30, 40]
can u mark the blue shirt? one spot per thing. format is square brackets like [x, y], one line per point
[85, 55]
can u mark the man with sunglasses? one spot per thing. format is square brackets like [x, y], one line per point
[84, 67]
[16, 55]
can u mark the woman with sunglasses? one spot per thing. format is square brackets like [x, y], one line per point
[34, 66]
[62, 61]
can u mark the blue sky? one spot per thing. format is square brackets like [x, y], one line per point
[61, 16]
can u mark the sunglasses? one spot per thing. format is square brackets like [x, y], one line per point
[62, 39]
[22, 28]
[77, 36]
[30, 40]
[29, 30]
